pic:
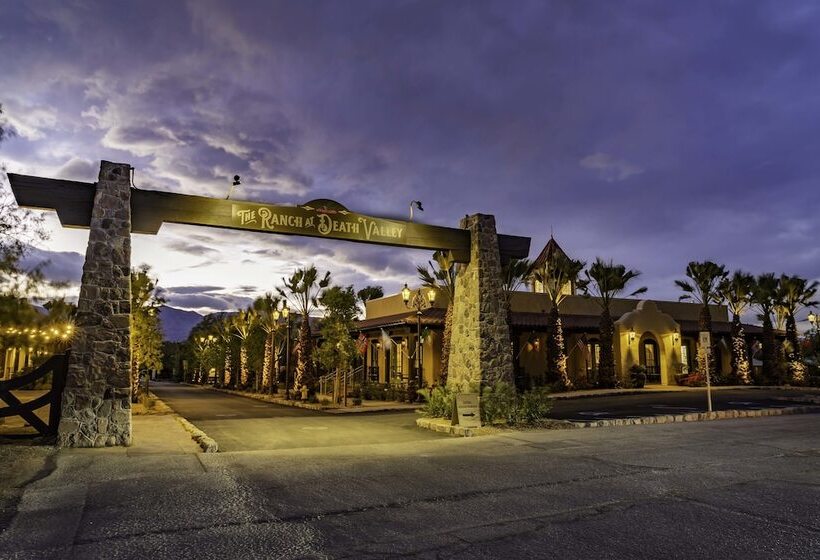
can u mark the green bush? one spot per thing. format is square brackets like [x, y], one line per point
[498, 405]
[440, 403]
[534, 406]
[501, 404]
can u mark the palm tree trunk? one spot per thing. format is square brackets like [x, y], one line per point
[741, 370]
[769, 352]
[243, 365]
[267, 362]
[445, 345]
[556, 351]
[304, 366]
[797, 369]
[606, 368]
[226, 381]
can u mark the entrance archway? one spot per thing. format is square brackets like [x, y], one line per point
[96, 404]
[650, 358]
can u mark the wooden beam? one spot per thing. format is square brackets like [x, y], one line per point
[73, 200]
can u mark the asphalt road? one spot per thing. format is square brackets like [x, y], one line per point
[243, 424]
[744, 488]
[657, 403]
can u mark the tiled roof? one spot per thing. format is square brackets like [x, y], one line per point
[433, 316]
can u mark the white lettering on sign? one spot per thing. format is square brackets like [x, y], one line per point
[344, 225]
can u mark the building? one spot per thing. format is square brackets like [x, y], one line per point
[662, 336]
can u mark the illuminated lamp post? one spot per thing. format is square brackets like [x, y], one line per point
[286, 315]
[814, 320]
[418, 302]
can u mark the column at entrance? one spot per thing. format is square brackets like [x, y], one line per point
[96, 408]
[480, 351]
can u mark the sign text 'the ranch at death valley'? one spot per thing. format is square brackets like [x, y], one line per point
[318, 222]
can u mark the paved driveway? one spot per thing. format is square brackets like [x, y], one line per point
[658, 403]
[242, 424]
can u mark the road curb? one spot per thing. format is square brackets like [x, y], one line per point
[204, 441]
[442, 425]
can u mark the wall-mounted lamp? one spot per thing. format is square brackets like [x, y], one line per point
[675, 337]
[631, 335]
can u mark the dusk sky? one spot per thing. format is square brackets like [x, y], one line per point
[652, 133]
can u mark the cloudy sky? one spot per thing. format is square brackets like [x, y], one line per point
[652, 133]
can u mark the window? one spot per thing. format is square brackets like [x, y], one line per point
[593, 357]
[396, 360]
[684, 358]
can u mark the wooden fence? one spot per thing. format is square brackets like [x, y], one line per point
[57, 365]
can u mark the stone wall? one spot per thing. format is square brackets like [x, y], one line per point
[480, 350]
[97, 398]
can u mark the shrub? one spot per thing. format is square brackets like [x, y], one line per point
[499, 403]
[534, 406]
[440, 403]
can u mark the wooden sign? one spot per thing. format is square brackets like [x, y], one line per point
[318, 218]
[73, 201]
[466, 412]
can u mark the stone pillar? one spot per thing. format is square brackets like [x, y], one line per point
[97, 397]
[480, 351]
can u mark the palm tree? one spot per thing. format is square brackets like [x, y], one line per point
[555, 275]
[369, 292]
[736, 291]
[442, 276]
[765, 294]
[243, 323]
[267, 309]
[224, 332]
[796, 293]
[513, 275]
[303, 289]
[606, 281]
[702, 286]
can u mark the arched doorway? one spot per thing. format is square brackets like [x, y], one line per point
[650, 357]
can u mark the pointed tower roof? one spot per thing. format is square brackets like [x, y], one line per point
[550, 249]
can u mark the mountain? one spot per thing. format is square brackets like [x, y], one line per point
[177, 323]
